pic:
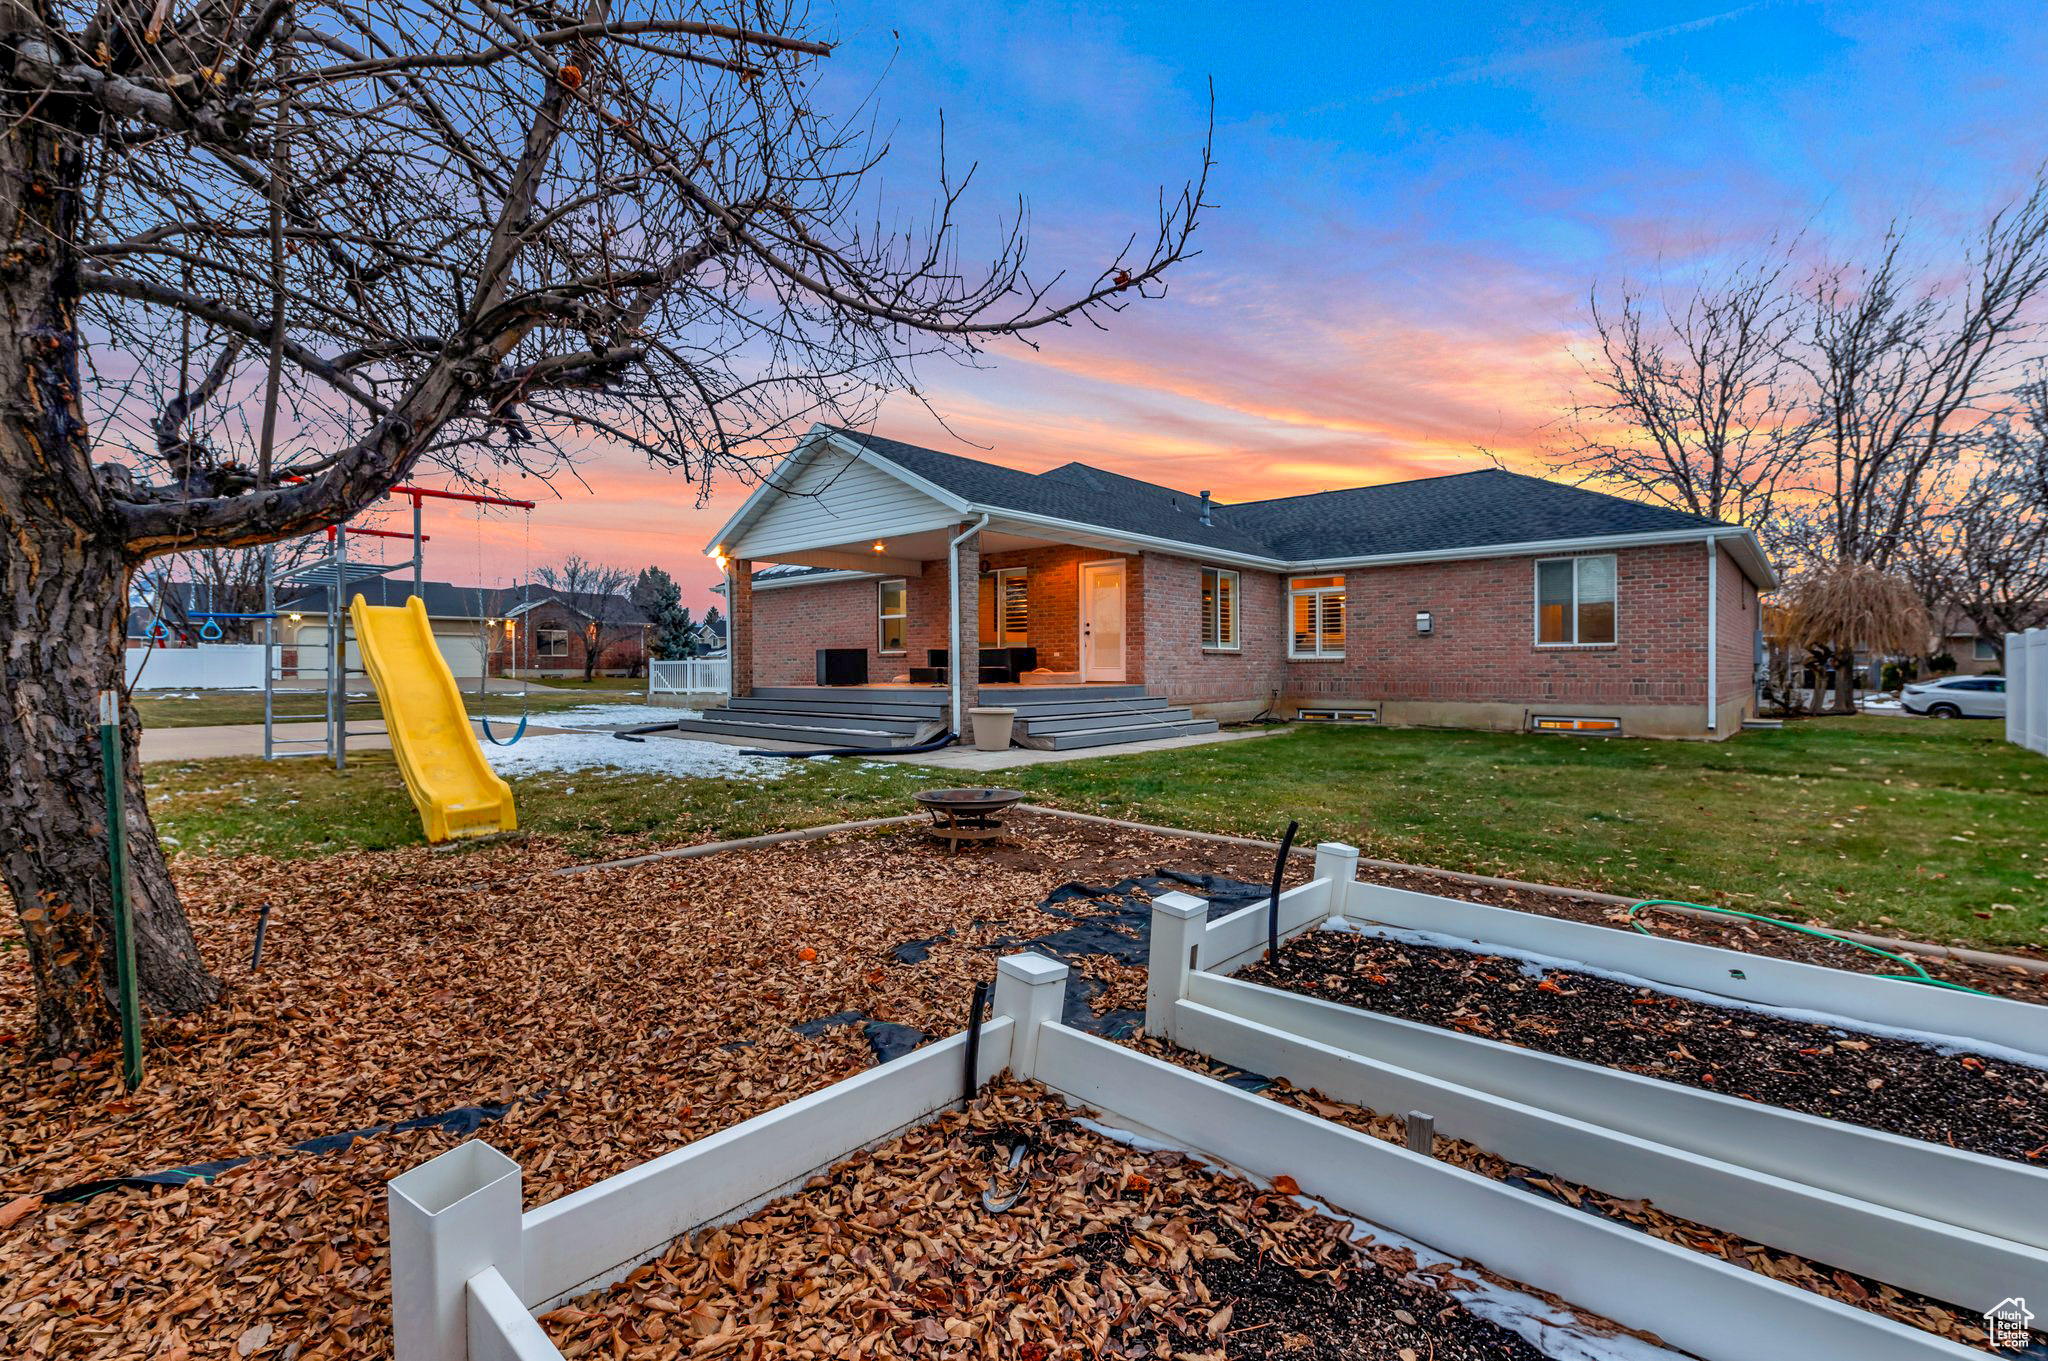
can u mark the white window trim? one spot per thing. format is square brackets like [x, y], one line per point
[1318, 591]
[1236, 643]
[1536, 605]
[880, 617]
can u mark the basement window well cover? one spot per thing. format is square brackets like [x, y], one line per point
[1339, 715]
[1605, 727]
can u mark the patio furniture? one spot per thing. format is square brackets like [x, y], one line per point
[842, 666]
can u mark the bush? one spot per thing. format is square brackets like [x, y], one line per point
[1940, 664]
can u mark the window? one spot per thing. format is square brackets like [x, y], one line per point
[1609, 727]
[1985, 650]
[1318, 609]
[1575, 602]
[551, 642]
[892, 609]
[1005, 607]
[1219, 609]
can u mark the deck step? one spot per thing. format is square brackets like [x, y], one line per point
[1038, 725]
[783, 711]
[800, 732]
[1111, 737]
[1082, 708]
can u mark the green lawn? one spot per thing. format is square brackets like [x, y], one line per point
[1938, 830]
[160, 710]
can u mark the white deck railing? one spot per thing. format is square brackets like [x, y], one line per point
[694, 677]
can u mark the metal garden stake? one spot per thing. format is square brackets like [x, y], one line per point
[117, 863]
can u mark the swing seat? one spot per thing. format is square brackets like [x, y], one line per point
[497, 741]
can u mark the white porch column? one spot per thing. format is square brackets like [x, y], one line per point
[963, 671]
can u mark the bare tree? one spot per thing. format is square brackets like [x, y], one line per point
[224, 581]
[596, 595]
[400, 233]
[1899, 366]
[1695, 405]
[1982, 551]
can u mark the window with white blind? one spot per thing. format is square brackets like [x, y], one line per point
[1006, 607]
[1575, 601]
[1219, 610]
[1317, 605]
[892, 611]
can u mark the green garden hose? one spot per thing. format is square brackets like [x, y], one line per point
[1917, 974]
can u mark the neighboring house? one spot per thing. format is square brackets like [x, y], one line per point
[1974, 653]
[462, 618]
[528, 629]
[550, 632]
[1485, 599]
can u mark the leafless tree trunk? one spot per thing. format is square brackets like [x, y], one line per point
[596, 594]
[455, 235]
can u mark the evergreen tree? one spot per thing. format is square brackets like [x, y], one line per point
[661, 600]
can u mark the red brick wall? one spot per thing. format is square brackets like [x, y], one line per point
[1482, 649]
[625, 646]
[1176, 664]
[1055, 628]
[1738, 619]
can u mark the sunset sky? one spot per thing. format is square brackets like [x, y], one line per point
[1410, 205]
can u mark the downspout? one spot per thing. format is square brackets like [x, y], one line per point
[953, 624]
[1713, 633]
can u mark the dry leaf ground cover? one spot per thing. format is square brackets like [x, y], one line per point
[605, 1018]
[1110, 1252]
[619, 1014]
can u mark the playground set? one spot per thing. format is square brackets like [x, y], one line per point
[437, 749]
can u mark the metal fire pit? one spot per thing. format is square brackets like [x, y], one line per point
[966, 814]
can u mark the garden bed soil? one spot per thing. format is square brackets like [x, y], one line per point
[1111, 1252]
[1861, 1292]
[1733, 933]
[1967, 1101]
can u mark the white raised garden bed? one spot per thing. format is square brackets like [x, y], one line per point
[1959, 1226]
[470, 1270]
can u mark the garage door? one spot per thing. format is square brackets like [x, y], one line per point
[312, 652]
[464, 653]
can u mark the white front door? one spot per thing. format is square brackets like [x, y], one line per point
[1102, 621]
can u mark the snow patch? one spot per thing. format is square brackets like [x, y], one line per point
[549, 752]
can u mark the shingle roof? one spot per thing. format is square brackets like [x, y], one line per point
[1106, 499]
[446, 600]
[1433, 514]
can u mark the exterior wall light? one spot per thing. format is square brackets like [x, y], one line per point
[1425, 623]
[878, 545]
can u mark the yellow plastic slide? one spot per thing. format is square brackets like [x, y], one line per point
[453, 786]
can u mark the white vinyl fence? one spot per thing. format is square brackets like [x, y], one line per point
[2026, 689]
[693, 678]
[209, 666]
[471, 1268]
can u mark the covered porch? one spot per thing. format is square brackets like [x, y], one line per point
[970, 611]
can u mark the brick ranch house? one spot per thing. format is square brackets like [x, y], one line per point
[1482, 600]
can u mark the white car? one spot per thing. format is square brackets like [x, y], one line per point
[1956, 697]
